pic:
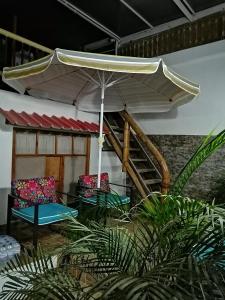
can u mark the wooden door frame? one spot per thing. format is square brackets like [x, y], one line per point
[61, 170]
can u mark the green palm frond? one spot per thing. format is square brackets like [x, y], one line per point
[161, 258]
[205, 140]
[207, 148]
[107, 249]
[38, 278]
[25, 264]
[182, 278]
[176, 212]
[160, 210]
[53, 284]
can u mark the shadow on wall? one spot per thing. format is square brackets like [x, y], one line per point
[3, 205]
[159, 116]
[112, 165]
[3, 125]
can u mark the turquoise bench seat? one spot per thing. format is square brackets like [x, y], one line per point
[47, 213]
[35, 200]
[103, 196]
[107, 200]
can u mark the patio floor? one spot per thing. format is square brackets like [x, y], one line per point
[49, 237]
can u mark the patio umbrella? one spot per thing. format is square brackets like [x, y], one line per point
[98, 83]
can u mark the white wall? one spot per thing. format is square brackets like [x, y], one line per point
[9, 100]
[5, 153]
[206, 66]
[110, 164]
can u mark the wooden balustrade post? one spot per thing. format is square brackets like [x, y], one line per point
[126, 147]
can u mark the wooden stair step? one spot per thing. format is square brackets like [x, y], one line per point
[145, 170]
[116, 128]
[139, 159]
[122, 139]
[120, 135]
[152, 181]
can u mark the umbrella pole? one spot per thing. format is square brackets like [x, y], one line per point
[101, 138]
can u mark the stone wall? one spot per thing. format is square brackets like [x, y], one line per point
[177, 149]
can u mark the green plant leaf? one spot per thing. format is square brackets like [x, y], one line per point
[206, 149]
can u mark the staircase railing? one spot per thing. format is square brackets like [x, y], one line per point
[17, 50]
[151, 148]
[119, 151]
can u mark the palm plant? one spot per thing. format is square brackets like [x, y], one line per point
[175, 251]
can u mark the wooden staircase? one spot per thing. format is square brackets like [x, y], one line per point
[140, 158]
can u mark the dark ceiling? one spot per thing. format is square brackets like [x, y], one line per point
[53, 25]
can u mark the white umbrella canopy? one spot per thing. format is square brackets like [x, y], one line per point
[98, 82]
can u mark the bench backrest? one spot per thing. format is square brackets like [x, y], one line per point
[35, 190]
[88, 184]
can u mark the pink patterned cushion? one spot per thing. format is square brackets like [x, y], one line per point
[47, 185]
[34, 190]
[89, 182]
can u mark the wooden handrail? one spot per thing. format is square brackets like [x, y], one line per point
[126, 140]
[25, 41]
[127, 165]
[152, 149]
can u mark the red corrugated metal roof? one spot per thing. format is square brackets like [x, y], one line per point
[35, 120]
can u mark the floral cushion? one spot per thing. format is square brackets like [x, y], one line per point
[47, 185]
[88, 183]
[36, 190]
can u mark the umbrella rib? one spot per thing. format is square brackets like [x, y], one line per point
[80, 91]
[110, 76]
[87, 80]
[99, 77]
[89, 76]
[53, 78]
[150, 87]
[118, 80]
